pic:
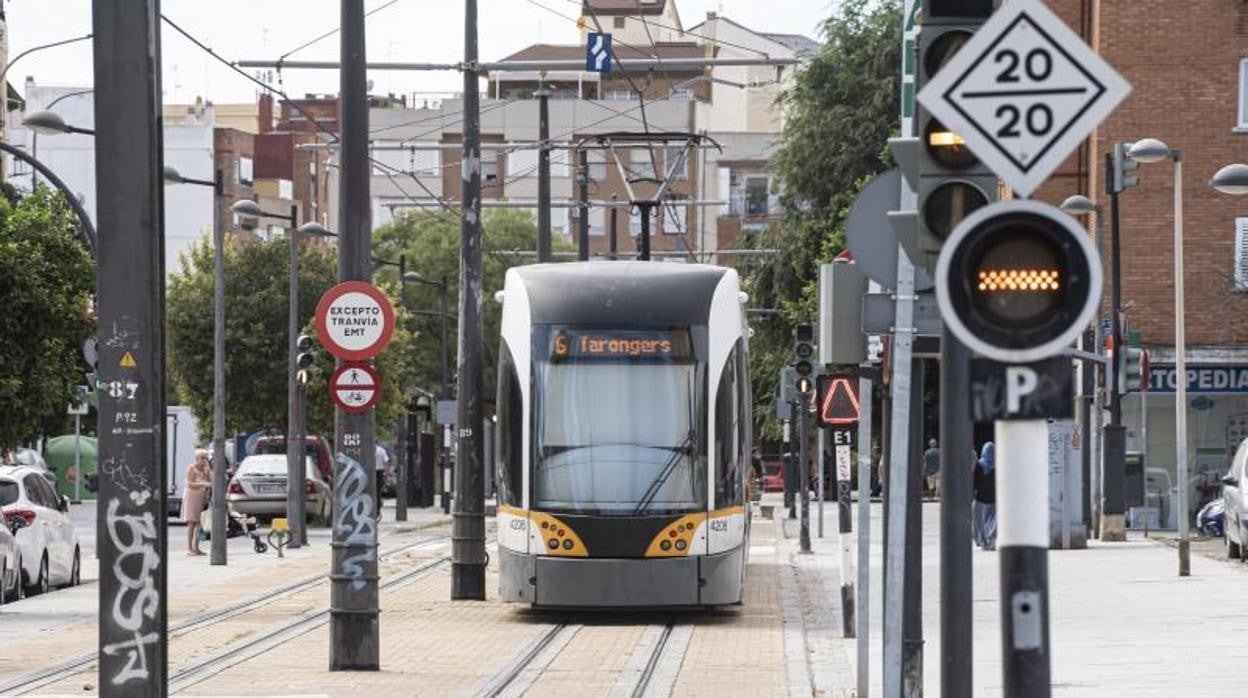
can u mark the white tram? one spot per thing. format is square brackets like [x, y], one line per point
[624, 427]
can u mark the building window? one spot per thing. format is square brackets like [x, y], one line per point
[597, 165]
[1241, 254]
[1243, 94]
[243, 171]
[676, 154]
[675, 217]
[683, 94]
[427, 162]
[489, 167]
[640, 164]
[618, 95]
[522, 163]
[756, 195]
[618, 23]
[597, 220]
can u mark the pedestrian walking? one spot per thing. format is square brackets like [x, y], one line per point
[931, 468]
[984, 504]
[195, 498]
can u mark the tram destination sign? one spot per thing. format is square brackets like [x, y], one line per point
[354, 321]
[1023, 93]
[579, 344]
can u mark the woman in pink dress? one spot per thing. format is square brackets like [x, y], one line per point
[195, 498]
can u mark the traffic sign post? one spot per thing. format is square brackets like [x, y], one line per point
[354, 320]
[1017, 282]
[1023, 93]
[355, 387]
[598, 55]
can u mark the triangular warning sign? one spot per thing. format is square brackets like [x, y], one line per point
[127, 361]
[838, 401]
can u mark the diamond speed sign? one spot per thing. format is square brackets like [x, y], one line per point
[1023, 93]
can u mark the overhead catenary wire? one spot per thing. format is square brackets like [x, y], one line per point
[331, 32]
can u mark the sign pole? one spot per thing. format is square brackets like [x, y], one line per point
[956, 443]
[803, 468]
[77, 458]
[354, 642]
[843, 443]
[823, 464]
[862, 611]
[1023, 535]
[132, 540]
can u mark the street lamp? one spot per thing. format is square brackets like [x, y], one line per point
[1232, 179]
[49, 123]
[295, 475]
[1151, 150]
[219, 522]
[1080, 206]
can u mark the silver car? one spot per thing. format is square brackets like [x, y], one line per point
[259, 488]
[1234, 489]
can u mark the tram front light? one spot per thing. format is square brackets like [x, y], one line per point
[665, 544]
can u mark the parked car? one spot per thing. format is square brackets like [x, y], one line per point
[10, 575]
[1234, 491]
[773, 475]
[258, 488]
[314, 446]
[47, 546]
[30, 458]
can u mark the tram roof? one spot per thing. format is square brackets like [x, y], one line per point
[620, 292]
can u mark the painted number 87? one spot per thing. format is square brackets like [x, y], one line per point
[1037, 65]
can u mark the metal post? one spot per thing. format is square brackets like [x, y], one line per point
[444, 444]
[1113, 523]
[790, 472]
[912, 600]
[217, 552]
[77, 460]
[643, 246]
[1023, 535]
[895, 684]
[822, 446]
[613, 240]
[543, 174]
[295, 476]
[845, 529]
[446, 469]
[353, 634]
[582, 200]
[133, 630]
[1180, 367]
[1087, 389]
[468, 533]
[400, 465]
[803, 469]
[862, 601]
[956, 443]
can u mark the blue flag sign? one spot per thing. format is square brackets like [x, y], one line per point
[598, 53]
[1201, 378]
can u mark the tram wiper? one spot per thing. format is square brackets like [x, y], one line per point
[684, 447]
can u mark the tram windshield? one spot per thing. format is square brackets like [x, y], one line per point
[616, 423]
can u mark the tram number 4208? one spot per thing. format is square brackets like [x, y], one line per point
[720, 525]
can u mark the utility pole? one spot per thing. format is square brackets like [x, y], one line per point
[220, 520]
[133, 550]
[353, 633]
[468, 532]
[862, 599]
[296, 502]
[401, 461]
[444, 443]
[1114, 443]
[803, 484]
[643, 246]
[956, 443]
[582, 202]
[543, 174]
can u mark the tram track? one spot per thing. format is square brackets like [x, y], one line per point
[65, 670]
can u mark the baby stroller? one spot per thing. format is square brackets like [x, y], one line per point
[236, 525]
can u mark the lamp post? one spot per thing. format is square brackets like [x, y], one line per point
[296, 503]
[49, 123]
[219, 523]
[1151, 150]
[1079, 206]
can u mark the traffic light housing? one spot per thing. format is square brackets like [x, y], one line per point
[948, 180]
[305, 359]
[1132, 378]
[804, 349]
[837, 401]
[1122, 169]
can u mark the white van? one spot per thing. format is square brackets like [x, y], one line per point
[182, 438]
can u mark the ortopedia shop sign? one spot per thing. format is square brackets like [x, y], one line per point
[1201, 378]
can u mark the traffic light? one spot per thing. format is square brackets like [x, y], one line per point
[305, 359]
[1132, 379]
[948, 180]
[1121, 169]
[837, 401]
[804, 350]
[1018, 281]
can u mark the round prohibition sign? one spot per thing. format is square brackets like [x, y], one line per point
[354, 321]
[355, 387]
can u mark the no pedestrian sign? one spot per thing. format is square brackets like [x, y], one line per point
[354, 321]
[1023, 93]
[355, 387]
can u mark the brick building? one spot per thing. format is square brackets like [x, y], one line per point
[1188, 65]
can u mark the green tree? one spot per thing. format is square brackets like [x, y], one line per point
[256, 361]
[46, 280]
[429, 242]
[841, 110]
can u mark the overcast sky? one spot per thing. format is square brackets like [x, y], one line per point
[407, 30]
